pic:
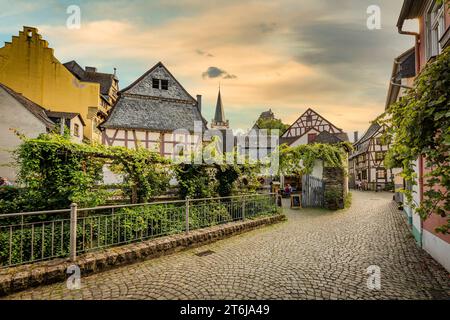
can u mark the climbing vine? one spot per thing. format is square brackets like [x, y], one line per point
[54, 171]
[301, 159]
[419, 125]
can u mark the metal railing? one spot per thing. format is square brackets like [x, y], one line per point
[35, 236]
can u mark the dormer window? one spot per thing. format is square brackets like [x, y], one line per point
[160, 84]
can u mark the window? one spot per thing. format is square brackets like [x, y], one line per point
[309, 118]
[379, 156]
[362, 159]
[381, 174]
[435, 29]
[165, 84]
[155, 83]
[364, 175]
[76, 130]
[311, 137]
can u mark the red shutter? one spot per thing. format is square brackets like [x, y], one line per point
[311, 137]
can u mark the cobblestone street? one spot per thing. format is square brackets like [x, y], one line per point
[314, 255]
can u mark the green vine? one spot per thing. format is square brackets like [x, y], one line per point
[419, 125]
[301, 159]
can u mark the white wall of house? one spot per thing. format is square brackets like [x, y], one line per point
[109, 177]
[437, 248]
[14, 116]
[303, 139]
[73, 136]
[168, 143]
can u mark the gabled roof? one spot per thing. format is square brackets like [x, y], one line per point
[104, 79]
[159, 64]
[373, 129]
[307, 110]
[362, 145]
[31, 106]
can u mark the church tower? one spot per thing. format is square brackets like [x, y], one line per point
[219, 121]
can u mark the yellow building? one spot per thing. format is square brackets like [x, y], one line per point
[28, 66]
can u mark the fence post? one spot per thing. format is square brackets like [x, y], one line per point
[187, 214]
[73, 231]
[243, 208]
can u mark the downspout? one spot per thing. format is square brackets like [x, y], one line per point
[416, 45]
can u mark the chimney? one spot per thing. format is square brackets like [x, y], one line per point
[90, 69]
[355, 136]
[115, 70]
[199, 102]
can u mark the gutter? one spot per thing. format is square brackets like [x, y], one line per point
[416, 45]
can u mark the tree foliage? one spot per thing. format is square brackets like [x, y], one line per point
[419, 125]
[269, 124]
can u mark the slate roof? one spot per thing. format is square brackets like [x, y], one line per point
[362, 145]
[31, 106]
[327, 137]
[104, 79]
[137, 112]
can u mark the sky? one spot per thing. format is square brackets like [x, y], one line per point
[287, 55]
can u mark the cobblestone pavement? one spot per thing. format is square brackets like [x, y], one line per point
[314, 255]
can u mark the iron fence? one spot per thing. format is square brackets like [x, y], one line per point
[43, 235]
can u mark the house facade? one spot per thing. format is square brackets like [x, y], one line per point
[109, 86]
[433, 37]
[366, 162]
[21, 115]
[307, 127]
[310, 128]
[157, 113]
[28, 66]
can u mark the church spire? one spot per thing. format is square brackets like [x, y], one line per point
[219, 121]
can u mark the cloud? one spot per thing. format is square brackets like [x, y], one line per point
[214, 72]
[288, 54]
[203, 53]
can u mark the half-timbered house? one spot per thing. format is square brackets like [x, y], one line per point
[155, 112]
[307, 127]
[366, 163]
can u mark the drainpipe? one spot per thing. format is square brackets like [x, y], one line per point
[416, 45]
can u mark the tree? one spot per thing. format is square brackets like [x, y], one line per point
[269, 124]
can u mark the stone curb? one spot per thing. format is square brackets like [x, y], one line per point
[46, 272]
